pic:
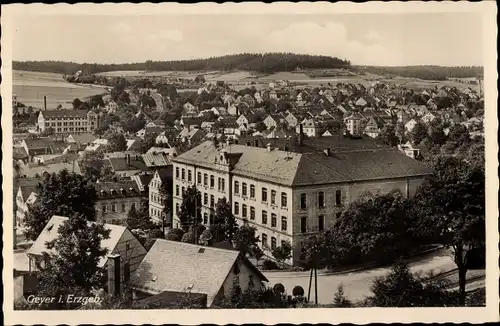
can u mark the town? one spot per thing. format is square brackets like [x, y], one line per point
[202, 193]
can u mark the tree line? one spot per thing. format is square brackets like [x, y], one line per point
[425, 72]
[268, 62]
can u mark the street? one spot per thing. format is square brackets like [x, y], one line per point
[356, 284]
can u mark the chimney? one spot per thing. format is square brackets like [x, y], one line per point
[128, 159]
[301, 135]
[326, 151]
[45, 103]
[114, 275]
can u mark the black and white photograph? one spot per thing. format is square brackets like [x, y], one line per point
[196, 159]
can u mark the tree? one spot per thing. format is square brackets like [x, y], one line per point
[62, 194]
[401, 288]
[174, 235]
[459, 134]
[452, 202]
[199, 79]
[74, 267]
[92, 165]
[190, 210]
[206, 238]
[117, 142]
[419, 133]
[149, 141]
[256, 253]
[188, 237]
[298, 291]
[373, 228]
[388, 136]
[76, 104]
[260, 126]
[224, 224]
[340, 300]
[245, 239]
[133, 219]
[282, 253]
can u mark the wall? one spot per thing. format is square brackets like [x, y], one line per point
[128, 201]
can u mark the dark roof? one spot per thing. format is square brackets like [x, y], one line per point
[170, 299]
[52, 114]
[142, 180]
[19, 153]
[117, 189]
[120, 163]
[39, 143]
[312, 167]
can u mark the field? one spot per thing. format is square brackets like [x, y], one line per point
[31, 87]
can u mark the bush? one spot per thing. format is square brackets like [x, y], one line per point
[155, 234]
[174, 235]
[340, 299]
[279, 288]
[269, 265]
[298, 291]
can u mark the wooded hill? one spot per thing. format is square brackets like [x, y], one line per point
[424, 72]
[267, 63]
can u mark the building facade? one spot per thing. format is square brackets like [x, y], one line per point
[289, 196]
[115, 199]
[67, 121]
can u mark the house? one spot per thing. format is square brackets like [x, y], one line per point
[20, 154]
[354, 123]
[82, 139]
[288, 195]
[410, 125]
[171, 151]
[128, 165]
[310, 127]
[142, 180]
[428, 117]
[373, 126]
[409, 150]
[38, 146]
[291, 120]
[421, 110]
[134, 145]
[273, 95]
[147, 131]
[189, 109]
[191, 135]
[248, 120]
[26, 195]
[167, 136]
[115, 199]
[125, 252]
[167, 270]
[273, 120]
[34, 170]
[361, 102]
[161, 177]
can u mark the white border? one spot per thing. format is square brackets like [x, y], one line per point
[294, 316]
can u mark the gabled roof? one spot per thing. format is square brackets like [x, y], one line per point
[84, 138]
[120, 163]
[38, 143]
[183, 267]
[51, 232]
[117, 189]
[156, 159]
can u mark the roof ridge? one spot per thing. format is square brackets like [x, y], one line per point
[197, 245]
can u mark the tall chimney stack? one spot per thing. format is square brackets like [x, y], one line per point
[45, 103]
[301, 135]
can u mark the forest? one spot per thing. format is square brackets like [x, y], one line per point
[424, 72]
[267, 63]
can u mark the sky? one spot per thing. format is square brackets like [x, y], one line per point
[448, 39]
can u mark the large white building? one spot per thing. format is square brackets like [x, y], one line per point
[67, 121]
[289, 196]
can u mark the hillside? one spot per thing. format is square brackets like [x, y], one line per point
[423, 72]
[266, 63]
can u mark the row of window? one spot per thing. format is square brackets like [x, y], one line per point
[114, 207]
[181, 174]
[67, 118]
[156, 198]
[155, 212]
[70, 129]
[321, 223]
[321, 199]
[265, 243]
[264, 193]
[264, 216]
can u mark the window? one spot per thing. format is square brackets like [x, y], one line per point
[250, 281]
[273, 243]
[189, 176]
[183, 191]
[236, 209]
[183, 174]
[283, 223]
[223, 185]
[273, 197]
[264, 240]
[252, 191]
[321, 199]
[273, 220]
[264, 217]
[212, 181]
[339, 214]
[244, 189]
[199, 178]
[236, 187]
[113, 207]
[103, 208]
[244, 211]
[264, 195]
[338, 198]
[177, 190]
[124, 207]
[219, 182]
[283, 243]
[127, 246]
[303, 201]
[321, 223]
[205, 218]
[177, 208]
[177, 173]
[283, 200]
[205, 179]
[303, 224]
[126, 271]
[205, 199]
[252, 213]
